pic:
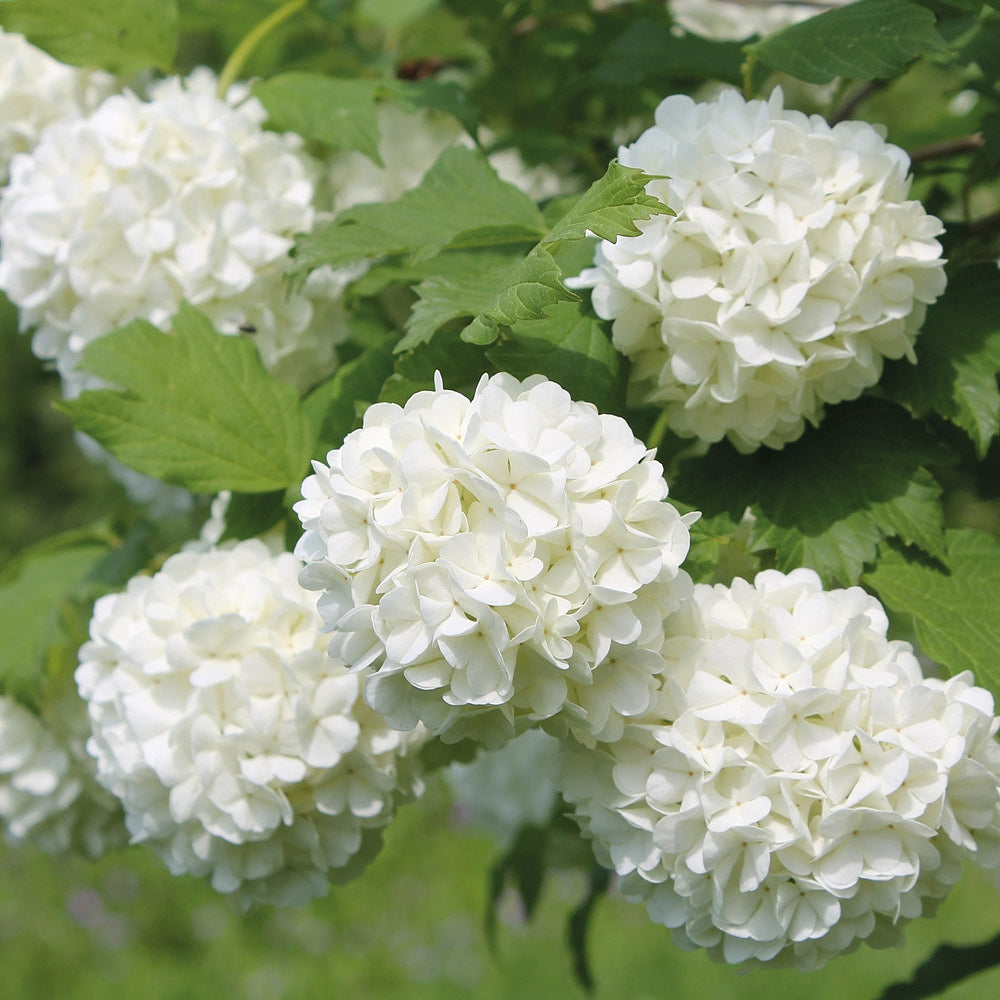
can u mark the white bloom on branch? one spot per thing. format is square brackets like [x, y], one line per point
[800, 786]
[37, 90]
[793, 267]
[240, 750]
[496, 561]
[49, 796]
[124, 213]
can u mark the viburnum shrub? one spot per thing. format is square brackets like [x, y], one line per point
[595, 403]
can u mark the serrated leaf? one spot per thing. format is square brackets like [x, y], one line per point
[955, 611]
[196, 408]
[251, 514]
[567, 346]
[609, 208]
[828, 499]
[460, 203]
[465, 290]
[865, 40]
[124, 37]
[342, 114]
[529, 289]
[958, 357]
[33, 587]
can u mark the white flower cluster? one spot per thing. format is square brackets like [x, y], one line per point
[793, 266]
[735, 20]
[409, 143]
[497, 561]
[49, 796]
[126, 212]
[239, 749]
[800, 787]
[37, 90]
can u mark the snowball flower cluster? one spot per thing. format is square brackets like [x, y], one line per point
[48, 793]
[793, 266]
[126, 212]
[495, 561]
[239, 749]
[37, 90]
[800, 786]
[733, 20]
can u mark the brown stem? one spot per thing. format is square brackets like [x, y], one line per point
[951, 147]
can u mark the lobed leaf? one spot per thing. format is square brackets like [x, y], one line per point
[868, 39]
[958, 357]
[828, 499]
[342, 114]
[609, 208]
[460, 203]
[125, 37]
[954, 610]
[194, 408]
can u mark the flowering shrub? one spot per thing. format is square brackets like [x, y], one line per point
[495, 561]
[375, 281]
[800, 785]
[239, 749]
[793, 266]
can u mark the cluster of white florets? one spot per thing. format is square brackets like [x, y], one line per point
[143, 204]
[49, 796]
[493, 562]
[793, 266]
[800, 786]
[733, 20]
[239, 749]
[37, 90]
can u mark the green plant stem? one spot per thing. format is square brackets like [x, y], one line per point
[235, 63]
[657, 431]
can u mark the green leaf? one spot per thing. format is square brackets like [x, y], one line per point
[958, 357]
[462, 291]
[523, 864]
[196, 409]
[579, 923]
[868, 39]
[251, 514]
[567, 346]
[123, 37]
[342, 114]
[649, 52]
[955, 611]
[460, 203]
[392, 15]
[609, 208]
[337, 406]
[33, 588]
[828, 499]
[948, 965]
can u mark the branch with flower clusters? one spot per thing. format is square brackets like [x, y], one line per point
[493, 392]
